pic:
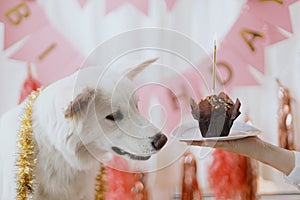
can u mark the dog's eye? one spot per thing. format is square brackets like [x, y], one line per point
[110, 117]
[115, 116]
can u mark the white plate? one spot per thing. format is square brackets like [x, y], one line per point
[191, 132]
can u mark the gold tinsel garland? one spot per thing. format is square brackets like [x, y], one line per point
[27, 160]
[100, 184]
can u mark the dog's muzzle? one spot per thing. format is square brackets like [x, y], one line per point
[121, 152]
[158, 141]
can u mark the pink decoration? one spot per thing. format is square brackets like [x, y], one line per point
[250, 25]
[275, 12]
[82, 3]
[20, 18]
[52, 54]
[119, 183]
[236, 53]
[170, 4]
[29, 85]
[141, 5]
[227, 175]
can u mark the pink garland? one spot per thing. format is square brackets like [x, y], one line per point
[29, 85]
[124, 185]
[227, 175]
[119, 183]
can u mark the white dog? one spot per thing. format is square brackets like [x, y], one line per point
[77, 121]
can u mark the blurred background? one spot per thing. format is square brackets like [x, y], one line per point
[258, 61]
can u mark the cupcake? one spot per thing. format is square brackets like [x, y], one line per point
[215, 114]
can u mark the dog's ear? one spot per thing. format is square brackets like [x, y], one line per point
[79, 106]
[134, 72]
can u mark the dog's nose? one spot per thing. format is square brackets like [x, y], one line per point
[159, 140]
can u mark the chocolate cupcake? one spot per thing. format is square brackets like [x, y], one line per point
[215, 114]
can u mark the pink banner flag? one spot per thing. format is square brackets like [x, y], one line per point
[275, 12]
[82, 3]
[232, 70]
[52, 54]
[173, 96]
[20, 19]
[141, 5]
[249, 36]
[168, 104]
[170, 4]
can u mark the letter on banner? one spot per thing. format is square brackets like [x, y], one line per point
[277, 1]
[175, 98]
[229, 73]
[47, 51]
[245, 33]
[20, 19]
[17, 13]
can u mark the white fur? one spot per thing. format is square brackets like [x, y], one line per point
[69, 149]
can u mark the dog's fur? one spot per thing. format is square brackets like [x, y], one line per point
[76, 122]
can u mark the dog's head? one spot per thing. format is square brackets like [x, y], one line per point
[106, 118]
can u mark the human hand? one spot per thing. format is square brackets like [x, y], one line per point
[248, 146]
[254, 147]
